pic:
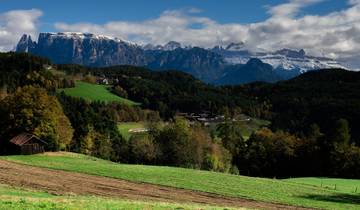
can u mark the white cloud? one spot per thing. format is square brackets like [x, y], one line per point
[13, 24]
[194, 10]
[291, 8]
[176, 25]
[354, 2]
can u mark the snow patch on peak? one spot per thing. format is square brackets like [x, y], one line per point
[284, 59]
[81, 35]
[170, 46]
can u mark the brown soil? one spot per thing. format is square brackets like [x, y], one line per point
[64, 183]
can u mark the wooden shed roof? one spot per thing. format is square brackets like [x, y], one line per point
[24, 138]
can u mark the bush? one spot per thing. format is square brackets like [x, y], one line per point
[143, 149]
[217, 159]
[118, 90]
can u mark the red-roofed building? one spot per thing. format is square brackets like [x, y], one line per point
[26, 144]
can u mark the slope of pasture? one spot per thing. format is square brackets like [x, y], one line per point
[269, 190]
[58, 182]
[93, 92]
[22, 198]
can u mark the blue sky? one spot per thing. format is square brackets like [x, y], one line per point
[328, 28]
[102, 11]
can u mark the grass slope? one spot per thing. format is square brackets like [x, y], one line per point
[271, 190]
[126, 126]
[93, 92]
[17, 198]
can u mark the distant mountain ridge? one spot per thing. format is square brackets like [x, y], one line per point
[85, 49]
[284, 59]
[220, 65]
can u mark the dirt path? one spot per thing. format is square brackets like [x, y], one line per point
[62, 183]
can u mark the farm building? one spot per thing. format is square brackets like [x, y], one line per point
[26, 144]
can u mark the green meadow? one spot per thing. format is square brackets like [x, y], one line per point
[94, 92]
[291, 191]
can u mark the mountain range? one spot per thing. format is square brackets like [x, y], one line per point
[222, 65]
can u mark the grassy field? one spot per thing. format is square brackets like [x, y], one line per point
[17, 198]
[93, 92]
[126, 126]
[279, 191]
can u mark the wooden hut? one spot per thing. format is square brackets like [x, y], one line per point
[26, 144]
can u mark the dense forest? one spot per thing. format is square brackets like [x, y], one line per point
[317, 97]
[313, 130]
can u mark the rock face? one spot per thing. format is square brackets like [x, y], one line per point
[232, 64]
[25, 44]
[201, 63]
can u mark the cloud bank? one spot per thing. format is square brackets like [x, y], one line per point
[14, 24]
[335, 35]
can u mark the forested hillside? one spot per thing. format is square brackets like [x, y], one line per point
[317, 97]
[169, 91]
[313, 130]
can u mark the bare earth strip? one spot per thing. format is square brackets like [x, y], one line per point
[64, 183]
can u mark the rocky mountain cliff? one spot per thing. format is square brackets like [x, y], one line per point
[85, 49]
[25, 44]
[201, 63]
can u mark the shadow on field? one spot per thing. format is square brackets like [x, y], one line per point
[338, 198]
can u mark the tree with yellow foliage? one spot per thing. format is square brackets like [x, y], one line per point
[31, 109]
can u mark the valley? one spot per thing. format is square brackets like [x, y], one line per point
[136, 137]
[180, 105]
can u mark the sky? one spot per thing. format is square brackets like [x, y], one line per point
[322, 27]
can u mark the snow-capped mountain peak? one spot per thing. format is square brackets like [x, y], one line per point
[170, 46]
[284, 59]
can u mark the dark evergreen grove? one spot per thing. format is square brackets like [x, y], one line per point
[313, 131]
